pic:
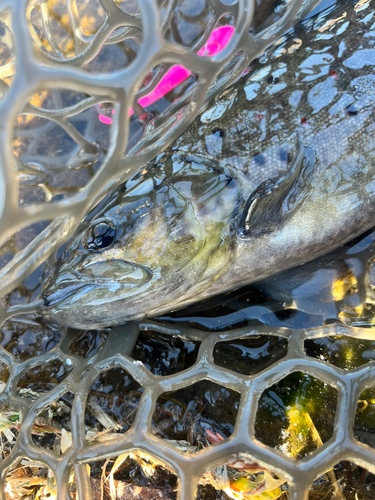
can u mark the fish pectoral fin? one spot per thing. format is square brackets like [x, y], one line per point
[276, 199]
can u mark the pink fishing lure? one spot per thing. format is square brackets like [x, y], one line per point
[218, 39]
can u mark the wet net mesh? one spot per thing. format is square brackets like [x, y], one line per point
[73, 127]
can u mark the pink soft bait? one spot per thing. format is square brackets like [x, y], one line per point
[219, 38]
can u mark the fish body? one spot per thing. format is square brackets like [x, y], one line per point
[279, 170]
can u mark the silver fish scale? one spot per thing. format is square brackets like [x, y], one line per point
[31, 68]
[262, 121]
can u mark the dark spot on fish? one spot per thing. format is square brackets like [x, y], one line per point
[303, 121]
[351, 111]
[218, 132]
[271, 79]
[259, 159]
[283, 155]
[333, 73]
[2, 30]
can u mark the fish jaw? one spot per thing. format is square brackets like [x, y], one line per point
[88, 310]
[90, 306]
[74, 300]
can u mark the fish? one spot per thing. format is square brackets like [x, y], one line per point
[277, 171]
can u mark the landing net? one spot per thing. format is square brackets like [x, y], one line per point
[90, 92]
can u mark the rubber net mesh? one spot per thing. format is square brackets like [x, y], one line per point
[75, 77]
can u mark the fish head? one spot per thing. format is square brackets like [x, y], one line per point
[142, 250]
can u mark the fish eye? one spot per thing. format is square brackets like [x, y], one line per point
[100, 236]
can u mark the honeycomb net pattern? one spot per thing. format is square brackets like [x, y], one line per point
[190, 467]
[29, 69]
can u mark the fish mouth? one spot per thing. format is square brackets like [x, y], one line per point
[61, 294]
[111, 277]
